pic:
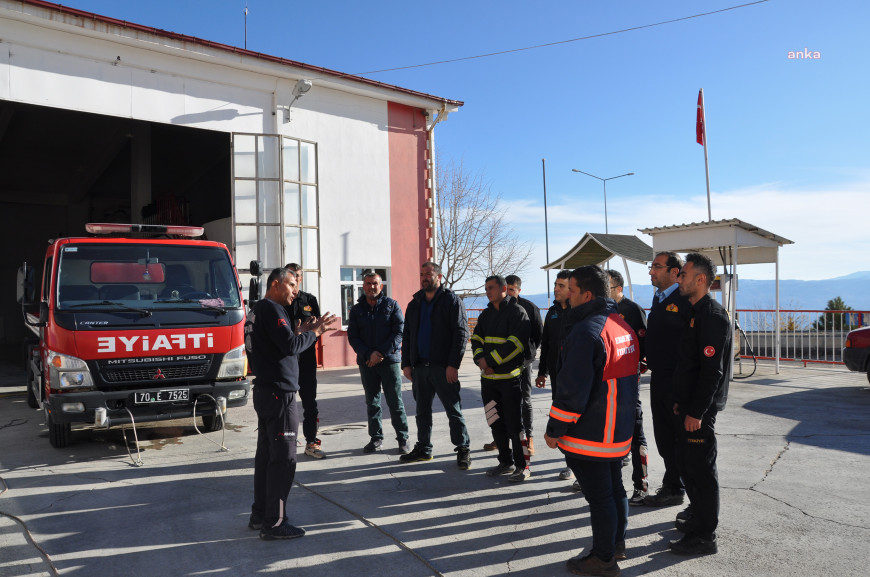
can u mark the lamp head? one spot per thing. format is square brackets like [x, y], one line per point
[302, 86]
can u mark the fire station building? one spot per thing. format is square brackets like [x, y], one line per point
[107, 121]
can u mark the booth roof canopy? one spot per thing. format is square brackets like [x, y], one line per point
[596, 248]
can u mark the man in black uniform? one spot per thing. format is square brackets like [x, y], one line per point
[551, 344]
[635, 316]
[275, 349]
[536, 328]
[498, 343]
[700, 392]
[305, 307]
[668, 316]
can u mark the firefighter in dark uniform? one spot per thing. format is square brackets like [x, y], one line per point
[700, 392]
[275, 349]
[668, 316]
[536, 329]
[498, 343]
[635, 316]
[305, 307]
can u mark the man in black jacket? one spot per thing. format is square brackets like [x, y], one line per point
[700, 392]
[433, 344]
[499, 342]
[303, 309]
[374, 330]
[668, 316]
[551, 343]
[635, 316]
[536, 328]
[275, 350]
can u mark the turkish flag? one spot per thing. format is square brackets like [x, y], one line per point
[700, 128]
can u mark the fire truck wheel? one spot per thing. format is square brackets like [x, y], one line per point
[58, 433]
[212, 423]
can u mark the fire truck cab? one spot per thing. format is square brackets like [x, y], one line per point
[132, 330]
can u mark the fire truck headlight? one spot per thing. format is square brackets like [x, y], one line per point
[234, 365]
[66, 372]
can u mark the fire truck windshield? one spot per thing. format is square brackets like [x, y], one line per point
[145, 276]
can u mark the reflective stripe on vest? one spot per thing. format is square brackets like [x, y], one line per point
[593, 449]
[502, 376]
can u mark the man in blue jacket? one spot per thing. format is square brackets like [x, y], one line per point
[592, 417]
[275, 350]
[374, 330]
[433, 344]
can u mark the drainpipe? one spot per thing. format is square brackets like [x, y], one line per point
[433, 187]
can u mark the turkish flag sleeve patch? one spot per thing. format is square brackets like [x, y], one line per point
[709, 351]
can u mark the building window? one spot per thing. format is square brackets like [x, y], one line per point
[352, 287]
[276, 213]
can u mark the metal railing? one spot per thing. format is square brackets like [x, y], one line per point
[806, 336]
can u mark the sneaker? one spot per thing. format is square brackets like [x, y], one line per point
[283, 531]
[416, 454]
[404, 447]
[373, 446]
[313, 450]
[499, 470]
[463, 458]
[637, 497]
[576, 487]
[694, 545]
[255, 523]
[566, 474]
[531, 446]
[592, 565]
[520, 476]
[490, 446]
[619, 553]
[685, 514]
[664, 497]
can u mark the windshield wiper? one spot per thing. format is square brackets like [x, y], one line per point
[221, 310]
[143, 312]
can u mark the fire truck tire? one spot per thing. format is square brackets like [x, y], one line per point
[58, 434]
[212, 423]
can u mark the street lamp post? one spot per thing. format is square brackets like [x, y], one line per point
[604, 181]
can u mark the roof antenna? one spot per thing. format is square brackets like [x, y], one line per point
[246, 25]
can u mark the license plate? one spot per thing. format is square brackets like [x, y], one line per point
[166, 396]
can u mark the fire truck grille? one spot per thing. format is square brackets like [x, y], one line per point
[151, 374]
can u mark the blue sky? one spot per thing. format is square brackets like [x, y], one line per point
[787, 137]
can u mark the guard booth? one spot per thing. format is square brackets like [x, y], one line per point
[727, 243]
[597, 248]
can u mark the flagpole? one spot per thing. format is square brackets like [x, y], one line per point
[546, 228]
[703, 118]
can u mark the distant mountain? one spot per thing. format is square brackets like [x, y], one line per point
[761, 294]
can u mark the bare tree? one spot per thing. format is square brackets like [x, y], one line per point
[474, 238]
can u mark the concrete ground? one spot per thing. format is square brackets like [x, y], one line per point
[793, 464]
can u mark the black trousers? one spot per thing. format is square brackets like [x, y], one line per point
[275, 460]
[639, 456]
[507, 395]
[308, 396]
[526, 383]
[697, 452]
[665, 426]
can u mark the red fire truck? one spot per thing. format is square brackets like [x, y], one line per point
[132, 330]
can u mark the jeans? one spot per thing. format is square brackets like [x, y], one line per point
[275, 460]
[665, 426]
[389, 377]
[697, 453]
[429, 380]
[507, 395]
[601, 482]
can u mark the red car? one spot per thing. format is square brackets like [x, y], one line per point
[856, 351]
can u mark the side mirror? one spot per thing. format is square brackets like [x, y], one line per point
[26, 290]
[254, 291]
[43, 313]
